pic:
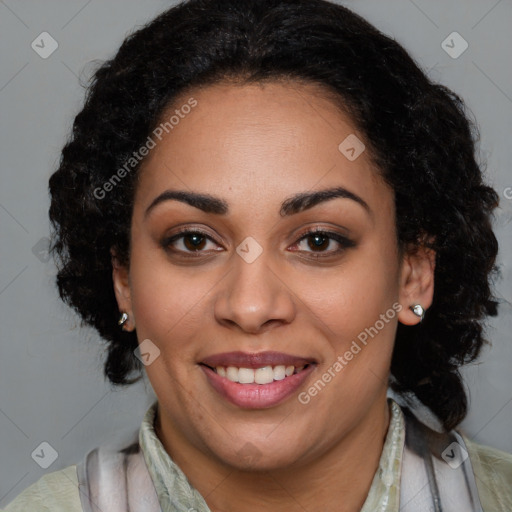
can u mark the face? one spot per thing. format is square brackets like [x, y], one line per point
[250, 273]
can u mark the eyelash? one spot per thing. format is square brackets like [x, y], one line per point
[344, 242]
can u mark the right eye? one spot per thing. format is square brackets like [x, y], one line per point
[191, 241]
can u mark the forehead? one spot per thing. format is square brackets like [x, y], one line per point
[260, 142]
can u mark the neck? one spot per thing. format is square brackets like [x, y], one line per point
[341, 476]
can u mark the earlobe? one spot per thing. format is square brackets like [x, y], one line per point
[120, 281]
[416, 284]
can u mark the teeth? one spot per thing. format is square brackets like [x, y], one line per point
[245, 375]
[264, 375]
[232, 373]
[279, 372]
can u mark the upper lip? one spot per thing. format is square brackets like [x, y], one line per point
[256, 359]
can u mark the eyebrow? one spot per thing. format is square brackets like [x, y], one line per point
[290, 206]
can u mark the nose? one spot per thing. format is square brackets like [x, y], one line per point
[254, 297]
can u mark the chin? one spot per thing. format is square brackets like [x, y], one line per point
[257, 458]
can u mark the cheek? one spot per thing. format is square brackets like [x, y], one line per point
[352, 297]
[167, 302]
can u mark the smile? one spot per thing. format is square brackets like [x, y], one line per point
[256, 381]
[264, 375]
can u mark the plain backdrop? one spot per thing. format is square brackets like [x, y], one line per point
[51, 383]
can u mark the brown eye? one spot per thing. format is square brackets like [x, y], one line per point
[194, 241]
[319, 241]
[187, 241]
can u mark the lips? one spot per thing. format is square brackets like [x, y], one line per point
[256, 360]
[256, 380]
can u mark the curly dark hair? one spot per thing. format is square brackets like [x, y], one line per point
[419, 134]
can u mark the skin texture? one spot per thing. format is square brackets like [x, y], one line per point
[254, 146]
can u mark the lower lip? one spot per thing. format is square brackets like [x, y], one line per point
[257, 396]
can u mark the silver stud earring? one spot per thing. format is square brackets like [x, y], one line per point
[418, 310]
[123, 319]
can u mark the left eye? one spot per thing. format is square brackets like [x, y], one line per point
[319, 241]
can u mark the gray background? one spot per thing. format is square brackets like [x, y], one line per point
[51, 384]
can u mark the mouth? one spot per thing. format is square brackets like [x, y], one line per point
[261, 376]
[256, 381]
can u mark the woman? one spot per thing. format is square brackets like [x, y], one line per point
[271, 209]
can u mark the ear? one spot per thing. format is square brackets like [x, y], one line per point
[121, 282]
[416, 282]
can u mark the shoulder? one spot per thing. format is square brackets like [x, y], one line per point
[493, 475]
[54, 492]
